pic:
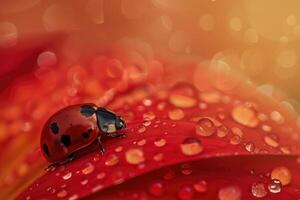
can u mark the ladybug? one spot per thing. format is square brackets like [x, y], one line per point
[75, 127]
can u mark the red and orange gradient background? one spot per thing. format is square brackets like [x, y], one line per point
[257, 40]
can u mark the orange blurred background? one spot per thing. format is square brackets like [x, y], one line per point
[258, 38]
[255, 39]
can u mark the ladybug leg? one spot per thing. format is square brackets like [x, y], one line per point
[51, 165]
[116, 135]
[102, 150]
[70, 158]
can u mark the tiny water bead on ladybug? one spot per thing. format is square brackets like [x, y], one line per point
[75, 127]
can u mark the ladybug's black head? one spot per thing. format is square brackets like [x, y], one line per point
[108, 122]
[120, 124]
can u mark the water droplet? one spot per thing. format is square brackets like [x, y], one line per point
[142, 142]
[51, 190]
[101, 175]
[271, 140]
[185, 193]
[277, 117]
[62, 194]
[47, 59]
[222, 131]
[186, 169]
[117, 177]
[67, 176]
[158, 157]
[210, 97]
[73, 197]
[205, 127]
[245, 116]
[156, 189]
[97, 188]
[282, 174]
[147, 123]
[88, 168]
[142, 129]
[182, 96]
[259, 190]
[96, 157]
[200, 186]
[134, 156]
[285, 150]
[266, 128]
[202, 106]
[147, 102]
[84, 181]
[176, 114]
[237, 131]
[230, 193]
[149, 116]
[274, 186]
[112, 160]
[160, 142]
[249, 146]
[235, 140]
[118, 149]
[191, 146]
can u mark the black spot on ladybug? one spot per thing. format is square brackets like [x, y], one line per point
[66, 140]
[85, 135]
[87, 110]
[54, 128]
[46, 150]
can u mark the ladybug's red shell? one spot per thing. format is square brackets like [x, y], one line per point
[67, 131]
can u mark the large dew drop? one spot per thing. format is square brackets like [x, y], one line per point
[283, 174]
[176, 114]
[182, 96]
[191, 146]
[205, 127]
[134, 156]
[259, 190]
[245, 116]
[274, 186]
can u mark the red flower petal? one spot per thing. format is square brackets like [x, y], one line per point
[173, 128]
